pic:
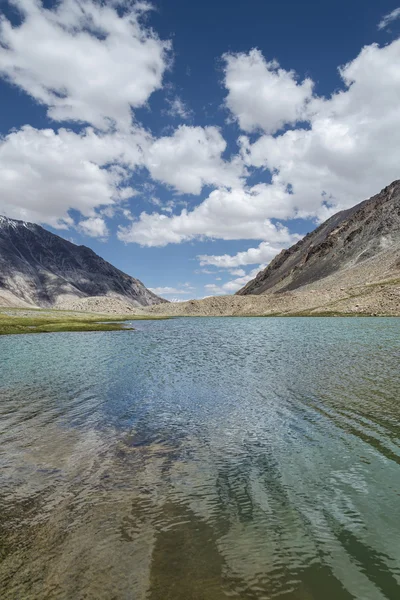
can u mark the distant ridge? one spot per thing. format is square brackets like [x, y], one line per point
[349, 238]
[40, 268]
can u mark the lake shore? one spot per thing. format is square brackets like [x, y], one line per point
[381, 298]
[327, 298]
[35, 320]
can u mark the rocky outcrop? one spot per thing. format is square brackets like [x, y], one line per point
[344, 241]
[40, 268]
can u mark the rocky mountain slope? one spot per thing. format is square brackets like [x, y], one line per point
[40, 268]
[346, 240]
[350, 265]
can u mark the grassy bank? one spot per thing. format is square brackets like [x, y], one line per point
[16, 321]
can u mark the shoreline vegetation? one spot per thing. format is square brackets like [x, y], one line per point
[15, 321]
[373, 299]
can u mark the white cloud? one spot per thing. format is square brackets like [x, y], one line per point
[204, 271]
[44, 174]
[177, 108]
[191, 158]
[351, 148]
[94, 227]
[389, 18]
[94, 62]
[230, 287]
[226, 214]
[166, 291]
[264, 253]
[86, 61]
[237, 272]
[262, 95]
[88, 170]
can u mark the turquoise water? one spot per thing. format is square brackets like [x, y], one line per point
[202, 459]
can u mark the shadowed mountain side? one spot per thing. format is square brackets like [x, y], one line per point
[40, 268]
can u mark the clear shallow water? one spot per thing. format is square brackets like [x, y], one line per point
[202, 459]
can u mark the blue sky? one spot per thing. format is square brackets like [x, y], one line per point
[188, 143]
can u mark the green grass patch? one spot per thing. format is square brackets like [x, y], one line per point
[14, 325]
[16, 321]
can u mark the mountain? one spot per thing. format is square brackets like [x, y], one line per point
[40, 268]
[366, 236]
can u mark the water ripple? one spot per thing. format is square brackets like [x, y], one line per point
[202, 459]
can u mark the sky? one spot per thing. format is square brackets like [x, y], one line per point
[190, 142]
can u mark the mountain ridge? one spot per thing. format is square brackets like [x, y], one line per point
[349, 265]
[345, 239]
[40, 268]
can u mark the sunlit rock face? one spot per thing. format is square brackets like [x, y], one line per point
[344, 241]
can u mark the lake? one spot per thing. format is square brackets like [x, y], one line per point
[202, 459]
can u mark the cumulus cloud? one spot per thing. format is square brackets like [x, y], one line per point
[204, 271]
[192, 158]
[264, 253]
[226, 214]
[86, 61]
[237, 272]
[93, 62]
[167, 291]
[389, 18]
[230, 287]
[351, 148]
[44, 174]
[177, 108]
[262, 95]
[94, 227]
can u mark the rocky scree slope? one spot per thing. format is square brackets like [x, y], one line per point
[40, 268]
[345, 241]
